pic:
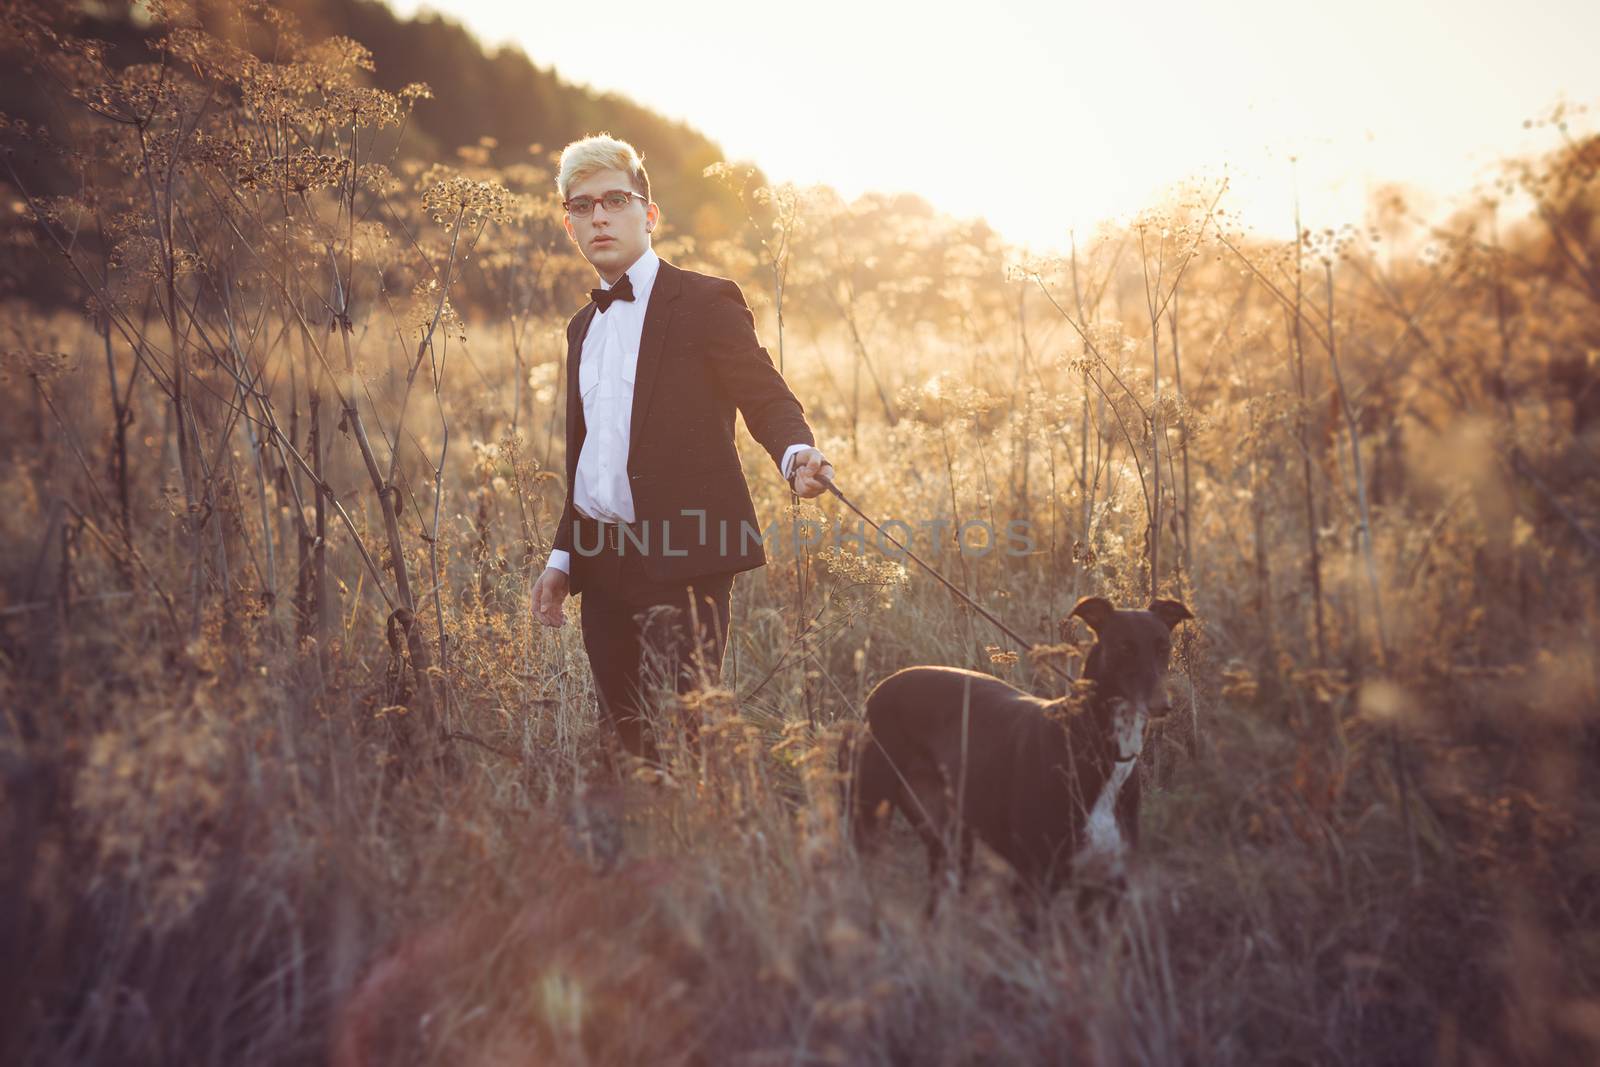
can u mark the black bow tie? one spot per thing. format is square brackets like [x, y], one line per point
[623, 290]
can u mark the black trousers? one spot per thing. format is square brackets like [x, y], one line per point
[642, 635]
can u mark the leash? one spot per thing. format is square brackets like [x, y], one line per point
[979, 608]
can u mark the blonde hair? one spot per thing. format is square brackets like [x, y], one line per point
[596, 153]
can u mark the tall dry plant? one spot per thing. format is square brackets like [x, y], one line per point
[268, 512]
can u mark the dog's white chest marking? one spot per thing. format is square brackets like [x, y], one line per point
[1102, 839]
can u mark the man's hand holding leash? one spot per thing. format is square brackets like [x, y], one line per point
[808, 473]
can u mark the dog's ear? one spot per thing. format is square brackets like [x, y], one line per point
[1094, 610]
[1171, 612]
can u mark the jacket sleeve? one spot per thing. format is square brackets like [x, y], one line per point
[772, 412]
[562, 541]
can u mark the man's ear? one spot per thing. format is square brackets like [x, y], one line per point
[1171, 612]
[1094, 610]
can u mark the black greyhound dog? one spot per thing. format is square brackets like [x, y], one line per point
[1052, 791]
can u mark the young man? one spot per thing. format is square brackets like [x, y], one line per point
[658, 518]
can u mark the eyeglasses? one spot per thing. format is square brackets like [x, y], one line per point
[581, 207]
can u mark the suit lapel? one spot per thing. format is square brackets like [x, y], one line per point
[656, 315]
[574, 359]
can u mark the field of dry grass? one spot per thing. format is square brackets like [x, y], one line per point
[290, 775]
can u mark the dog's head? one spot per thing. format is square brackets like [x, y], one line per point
[1128, 663]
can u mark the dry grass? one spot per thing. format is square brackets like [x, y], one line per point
[290, 774]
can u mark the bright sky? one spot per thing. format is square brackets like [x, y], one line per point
[1044, 115]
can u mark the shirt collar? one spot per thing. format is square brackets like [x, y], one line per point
[642, 274]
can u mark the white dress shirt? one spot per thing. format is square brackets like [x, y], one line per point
[607, 369]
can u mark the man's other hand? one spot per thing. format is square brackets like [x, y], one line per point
[548, 593]
[807, 474]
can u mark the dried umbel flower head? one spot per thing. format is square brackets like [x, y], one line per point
[359, 106]
[729, 174]
[139, 95]
[1328, 244]
[274, 92]
[378, 178]
[448, 196]
[230, 155]
[145, 257]
[337, 57]
[862, 570]
[431, 310]
[300, 173]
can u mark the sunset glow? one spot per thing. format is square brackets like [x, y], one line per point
[1049, 117]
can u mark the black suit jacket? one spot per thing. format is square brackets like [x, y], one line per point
[699, 361]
